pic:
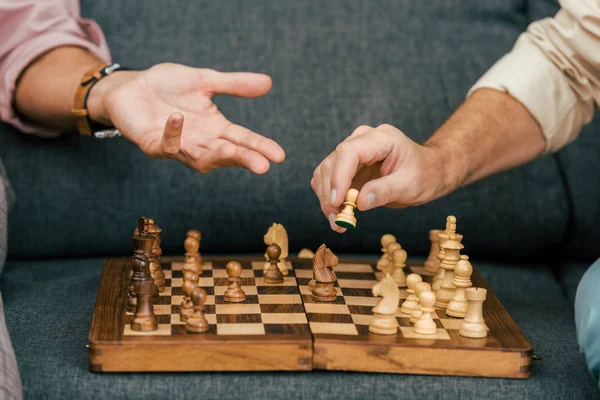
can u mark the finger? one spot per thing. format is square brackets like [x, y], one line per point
[333, 225]
[325, 180]
[364, 149]
[171, 138]
[377, 192]
[255, 142]
[230, 155]
[361, 129]
[241, 84]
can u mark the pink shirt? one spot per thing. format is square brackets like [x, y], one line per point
[28, 28]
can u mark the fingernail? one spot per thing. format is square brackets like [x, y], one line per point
[332, 196]
[370, 201]
[176, 122]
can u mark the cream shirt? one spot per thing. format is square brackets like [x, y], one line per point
[554, 71]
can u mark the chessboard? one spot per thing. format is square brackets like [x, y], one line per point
[280, 327]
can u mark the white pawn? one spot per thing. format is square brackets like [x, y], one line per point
[426, 325]
[399, 262]
[473, 326]
[420, 288]
[462, 280]
[411, 301]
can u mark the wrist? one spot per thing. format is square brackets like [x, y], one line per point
[97, 100]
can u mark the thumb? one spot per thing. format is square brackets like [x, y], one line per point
[241, 84]
[394, 188]
[171, 139]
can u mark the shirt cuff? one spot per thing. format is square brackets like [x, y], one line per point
[529, 76]
[23, 56]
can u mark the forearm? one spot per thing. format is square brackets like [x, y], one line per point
[491, 132]
[45, 91]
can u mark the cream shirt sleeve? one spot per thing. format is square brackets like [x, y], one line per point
[554, 71]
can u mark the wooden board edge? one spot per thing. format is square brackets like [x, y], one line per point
[198, 357]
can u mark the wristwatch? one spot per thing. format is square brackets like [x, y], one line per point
[85, 125]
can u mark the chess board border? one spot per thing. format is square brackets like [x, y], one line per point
[109, 351]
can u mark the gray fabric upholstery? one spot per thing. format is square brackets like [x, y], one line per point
[335, 65]
[52, 357]
[569, 275]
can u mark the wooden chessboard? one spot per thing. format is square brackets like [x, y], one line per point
[279, 327]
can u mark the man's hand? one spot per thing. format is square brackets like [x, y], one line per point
[167, 111]
[386, 166]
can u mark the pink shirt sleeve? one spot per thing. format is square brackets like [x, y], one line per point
[29, 28]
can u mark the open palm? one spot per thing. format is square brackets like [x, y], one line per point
[150, 111]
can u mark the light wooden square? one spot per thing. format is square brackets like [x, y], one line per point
[166, 292]
[162, 309]
[409, 333]
[177, 265]
[176, 300]
[240, 329]
[176, 319]
[249, 290]
[304, 290]
[362, 319]
[361, 300]
[346, 267]
[356, 283]
[284, 318]
[287, 281]
[304, 273]
[207, 265]
[221, 273]
[168, 274]
[320, 308]
[331, 328]
[237, 308]
[258, 264]
[163, 330]
[204, 282]
[279, 299]
[177, 282]
[419, 270]
[451, 323]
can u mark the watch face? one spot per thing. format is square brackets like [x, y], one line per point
[107, 133]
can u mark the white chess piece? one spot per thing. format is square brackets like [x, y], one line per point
[426, 325]
[419, 288]
[411, 302]
[384, 313]
[399, 262]
[462, 280]
[277, 235]
[473, 326]
[386, 240]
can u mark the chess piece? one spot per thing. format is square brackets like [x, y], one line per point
[432, 263]
[273, 274]
[473, 325]
[192, 256]
[452, 249]
[384, 313]
[143, 287]
[194, 233]
[419, 288]
[411, 302]
[462, 280]
[386, 240]
[306, 253]
[234, 292]
[346, 218]
[277, 235]
[425, 324]
[399, 262]
[389, 251]
[197, 322]
[190, 282]
[147, 227]
[443, 236]
[323, 263]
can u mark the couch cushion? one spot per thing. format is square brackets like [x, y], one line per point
[335, 65]
[569, 276]
[49, 307]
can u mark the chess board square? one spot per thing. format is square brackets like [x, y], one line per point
[409, 333]
[332, 318]
[177, 266]
[304, 290]
[238, 318]
[162, 309]
[304, 273]
[326, 308]
[261, 264]
[361, 310]
[240, 329]
[163, 330]
[166, 292]
[249, 290]
[414, 269]
[205, 282]
[307, 299]
[176, 282]
[358, 284]
[348, 267]
[279, 299]
[250, 299]
[330, 328]
[288, 329]
[168, 273]
[362, 301]
[177, 274]
[163, 318]
[356, 292]
[278, 290]
[163, 299]
[287, 281]
[221, 273]
[284, 318]
[225, 281]
[451, 323]
[176, 319]
[237, 308]
[362, 319]
[177, 291]
[207, 265]
[356, 275]
[281, 308]
[165, 265]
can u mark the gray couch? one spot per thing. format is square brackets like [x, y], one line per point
[335, 65]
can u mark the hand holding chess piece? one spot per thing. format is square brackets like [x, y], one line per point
[234, 293]
[273, 274]
[346, 218]
[197, 322]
